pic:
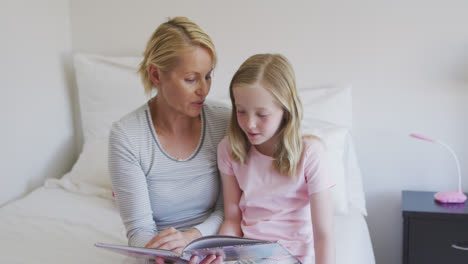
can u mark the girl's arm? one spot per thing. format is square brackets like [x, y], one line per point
[232, 212]
[321, 209]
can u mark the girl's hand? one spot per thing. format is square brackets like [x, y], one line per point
[173, 239]
[211, 259]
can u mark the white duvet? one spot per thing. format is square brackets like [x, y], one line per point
[52, 225]
[57, 226]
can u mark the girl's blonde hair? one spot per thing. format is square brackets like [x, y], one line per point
[276, 74]
[168, 42]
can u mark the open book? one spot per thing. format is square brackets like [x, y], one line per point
[233, 249]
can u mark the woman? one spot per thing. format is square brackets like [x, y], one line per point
[162, 156]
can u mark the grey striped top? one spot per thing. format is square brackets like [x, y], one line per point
[154, 191]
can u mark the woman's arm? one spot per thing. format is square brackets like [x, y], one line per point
[130, 188]
[132, 197]
[321, 209]
[211, 225]
[232, 212]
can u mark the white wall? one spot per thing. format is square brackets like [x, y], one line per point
[37, 130]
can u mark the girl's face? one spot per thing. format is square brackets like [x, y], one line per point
[185, 87]
[259, 115]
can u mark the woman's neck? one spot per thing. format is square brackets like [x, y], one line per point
[168, 121]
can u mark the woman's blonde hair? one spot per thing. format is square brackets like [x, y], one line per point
[168, 42]
[276, 74]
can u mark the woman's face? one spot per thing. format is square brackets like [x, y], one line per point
[185, 87]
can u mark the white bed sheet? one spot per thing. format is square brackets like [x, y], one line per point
[353, 243]
[56, 226]
[52, 225]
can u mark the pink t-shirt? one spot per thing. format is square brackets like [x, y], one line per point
[275, 207]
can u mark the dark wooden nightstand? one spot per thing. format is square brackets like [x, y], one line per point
[433, 233]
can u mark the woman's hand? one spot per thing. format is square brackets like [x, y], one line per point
[173, 239]
[211, 259]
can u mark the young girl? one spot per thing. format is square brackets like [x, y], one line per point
[275, 180]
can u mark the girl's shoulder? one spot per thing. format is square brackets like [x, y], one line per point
[313, 144]
[224, 145]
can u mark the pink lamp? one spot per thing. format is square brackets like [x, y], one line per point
[447, 196]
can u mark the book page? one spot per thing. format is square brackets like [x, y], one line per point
[144, 253]
[270, 252]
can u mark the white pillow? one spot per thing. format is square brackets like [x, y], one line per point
[108, 88]
[331, 104]
[334, 104]
[354, 178]
[90, 174]
[334, 138]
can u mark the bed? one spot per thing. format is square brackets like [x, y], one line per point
[60, 221]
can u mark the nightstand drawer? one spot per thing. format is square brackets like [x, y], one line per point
[431, 241]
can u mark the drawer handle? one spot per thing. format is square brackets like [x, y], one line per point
[459, 247]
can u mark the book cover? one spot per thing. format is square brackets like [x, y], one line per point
[233, 249]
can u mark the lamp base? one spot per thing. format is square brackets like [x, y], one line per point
[450, 197]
